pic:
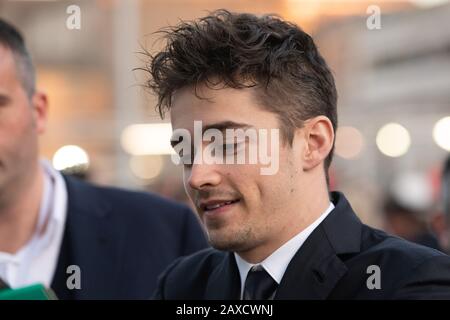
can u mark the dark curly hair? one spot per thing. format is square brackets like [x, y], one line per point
[241, 50]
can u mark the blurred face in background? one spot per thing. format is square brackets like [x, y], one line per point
[22, 119]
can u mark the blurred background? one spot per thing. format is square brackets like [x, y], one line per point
[391, 60]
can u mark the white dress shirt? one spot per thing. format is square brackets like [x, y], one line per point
[36, 261]
[277, 263]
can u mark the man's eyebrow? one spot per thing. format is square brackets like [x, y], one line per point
[221, 126]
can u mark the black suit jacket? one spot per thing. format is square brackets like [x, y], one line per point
[122, 241]
[332, 264]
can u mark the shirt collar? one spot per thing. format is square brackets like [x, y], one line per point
[58, 198]
[52, 212]
[276, 264]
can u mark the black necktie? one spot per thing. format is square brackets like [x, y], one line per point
[259, 285]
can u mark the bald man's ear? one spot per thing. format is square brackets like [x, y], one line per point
[319, 138]
[40, 108]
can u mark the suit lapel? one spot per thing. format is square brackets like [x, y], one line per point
[94, 246]
[316, 268]
[224, 282]
[313, 272]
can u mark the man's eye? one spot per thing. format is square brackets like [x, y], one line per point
[3, 101]
[187, 159]
[232, 148]
[229, 148]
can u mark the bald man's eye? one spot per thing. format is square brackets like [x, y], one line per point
[4, 101]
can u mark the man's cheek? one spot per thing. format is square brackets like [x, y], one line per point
[189, 191]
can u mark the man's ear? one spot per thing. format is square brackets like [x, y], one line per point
[40, 108]
[319, 138]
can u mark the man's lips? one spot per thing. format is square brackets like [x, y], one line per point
[212, 205]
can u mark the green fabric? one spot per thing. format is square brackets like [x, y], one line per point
[34, 292]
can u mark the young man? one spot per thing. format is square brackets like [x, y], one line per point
[281, 235]
[53, 226]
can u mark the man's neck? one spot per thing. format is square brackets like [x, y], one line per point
[19, 212]
[303, 214]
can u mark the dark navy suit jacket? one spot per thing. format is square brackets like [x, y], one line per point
[121, 241]
[337, 261]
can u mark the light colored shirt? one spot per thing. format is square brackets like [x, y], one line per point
[36, 261]
[277, 263]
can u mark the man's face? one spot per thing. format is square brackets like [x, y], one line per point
[20, 122]
[253, 208]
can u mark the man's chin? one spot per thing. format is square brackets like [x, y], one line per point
[228, 243]
[222, 246]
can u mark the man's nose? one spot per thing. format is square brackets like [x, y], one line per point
[204, 175]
